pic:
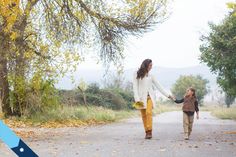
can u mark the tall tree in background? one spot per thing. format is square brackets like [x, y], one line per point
[184, 82]
[41, 39]
[219, 53]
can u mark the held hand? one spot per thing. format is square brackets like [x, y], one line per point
[172, 97]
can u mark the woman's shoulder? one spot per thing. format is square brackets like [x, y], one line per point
[151, 76]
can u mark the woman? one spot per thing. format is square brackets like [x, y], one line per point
[143, 84]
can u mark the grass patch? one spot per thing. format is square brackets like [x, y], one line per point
[225, 113]
[220, 111]
[209, 108]
[70, 117]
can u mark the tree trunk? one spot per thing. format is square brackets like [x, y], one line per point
[20, 66]
[4, 84]
[19, 82]
[84, 97]
[20, 63]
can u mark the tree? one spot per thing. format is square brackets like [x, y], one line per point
[82, 88]
[42, 38]
[184, 82]
[232, 5]
[229, 100]
[218, 51]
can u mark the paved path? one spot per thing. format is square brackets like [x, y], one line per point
[210, 138]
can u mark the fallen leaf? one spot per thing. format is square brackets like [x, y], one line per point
[230, 132]
[84, 142]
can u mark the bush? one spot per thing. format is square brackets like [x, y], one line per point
[95, 100]
[113, 100]
[42, 99]
[127, 96]
[93, 88]
[116, 99]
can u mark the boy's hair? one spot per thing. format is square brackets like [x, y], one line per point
[194, 91]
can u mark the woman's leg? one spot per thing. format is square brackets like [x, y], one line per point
[144, 118]
[147, 118]
[149, 114]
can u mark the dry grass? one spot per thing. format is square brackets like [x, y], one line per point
[70, 117]
[167, 108]
[224, 113]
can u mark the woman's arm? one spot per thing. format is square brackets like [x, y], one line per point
[159, 87]
[135, 88]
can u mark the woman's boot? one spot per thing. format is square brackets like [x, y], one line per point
[148, 134]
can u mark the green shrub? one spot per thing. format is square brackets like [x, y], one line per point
[116, 99]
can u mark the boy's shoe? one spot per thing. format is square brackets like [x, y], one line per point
[189, 134]
[186, 137]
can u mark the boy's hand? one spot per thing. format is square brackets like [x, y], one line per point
[197, 116]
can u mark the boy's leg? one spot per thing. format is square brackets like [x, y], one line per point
[191, 119]
[144, 118]
[185, 125]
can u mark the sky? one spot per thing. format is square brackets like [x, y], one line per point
[174, 43]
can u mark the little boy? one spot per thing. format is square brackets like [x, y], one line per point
[190, 105]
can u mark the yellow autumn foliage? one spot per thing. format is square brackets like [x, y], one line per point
[232, 5]
[9, 10]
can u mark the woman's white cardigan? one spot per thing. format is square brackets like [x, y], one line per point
[143, 87]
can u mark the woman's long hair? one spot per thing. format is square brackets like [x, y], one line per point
[143, 70]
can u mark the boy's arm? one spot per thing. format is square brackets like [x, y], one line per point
[196, 108]
[179, 101]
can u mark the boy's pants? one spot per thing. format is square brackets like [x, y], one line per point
[187, 123]
[147, 115]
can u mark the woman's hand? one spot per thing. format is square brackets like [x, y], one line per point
[138, 105]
